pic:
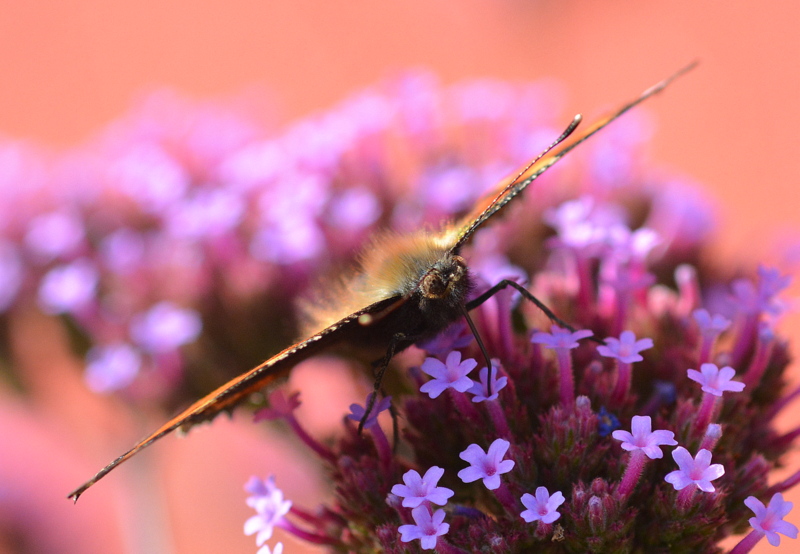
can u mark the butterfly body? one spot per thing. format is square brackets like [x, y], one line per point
[409, 288]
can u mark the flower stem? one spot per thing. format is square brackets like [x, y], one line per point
[632, 473]
[566, 379]
[706, 411]
[746, 544]
[623, 382]
[321, 450]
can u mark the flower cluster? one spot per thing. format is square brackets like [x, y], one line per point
[660, 438]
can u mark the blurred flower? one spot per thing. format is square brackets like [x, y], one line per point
[165, 327]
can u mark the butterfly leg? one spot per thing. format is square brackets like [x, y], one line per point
[475, 302]
[379, 370]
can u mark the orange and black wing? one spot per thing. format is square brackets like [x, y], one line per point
[238, 389]
[508, 188]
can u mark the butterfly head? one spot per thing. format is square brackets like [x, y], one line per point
[445, 280]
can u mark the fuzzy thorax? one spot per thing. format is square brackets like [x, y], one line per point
[393, 265]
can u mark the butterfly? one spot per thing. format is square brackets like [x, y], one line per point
[410, 288]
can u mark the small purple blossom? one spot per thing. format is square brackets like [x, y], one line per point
[357, 411]
[280, 406]
[486, 465]
[697, 471]
[165, 327]
[714, 380]
[450, 374]
[68, 288]
[417, 490]
[626, 348]
[481, 389]
[270, 507]
[208, 213]
[542, 507]
[456, 336]
[710, 326]
[427, 527]
[259, 488]
[54, 234]
[354, 209]
[560, 338]
[642, 438]
[112, 366]
[769, 520]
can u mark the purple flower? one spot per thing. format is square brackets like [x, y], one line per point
[165, 327]
[560, 338]
[417, 490]
[454, 337]
[280, 406]
[643, 439]
[698, 470]
[426, 527]
[450, 374]
[486, 465]
[123, 250]
[769, 520]
[259, 489]
[68, 288]
[714, 380]
[112, 366]
[150, 176]
[481, 389]
[710, 326]
[353, 209]
[626, 348]
[207, 213]
[543, 506]
[357, 411]
[54, 234]
[770, 283]
[289, 242]
[270, 507]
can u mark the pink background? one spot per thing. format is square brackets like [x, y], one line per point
[70, 67]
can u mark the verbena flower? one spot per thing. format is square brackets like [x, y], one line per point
[486, 465]
[452, 374]
[698, 471]
[427, 527]
[769, 520]
[416, 489]
[542, 507]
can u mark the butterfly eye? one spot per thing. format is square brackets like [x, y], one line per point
[434, 285]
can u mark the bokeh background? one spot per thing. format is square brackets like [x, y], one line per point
[68, 68]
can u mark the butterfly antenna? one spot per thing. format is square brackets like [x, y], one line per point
[551, 155]
[478, 339]
[502, 197]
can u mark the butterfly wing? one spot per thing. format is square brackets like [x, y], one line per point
[508, 188]
[238, 389]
